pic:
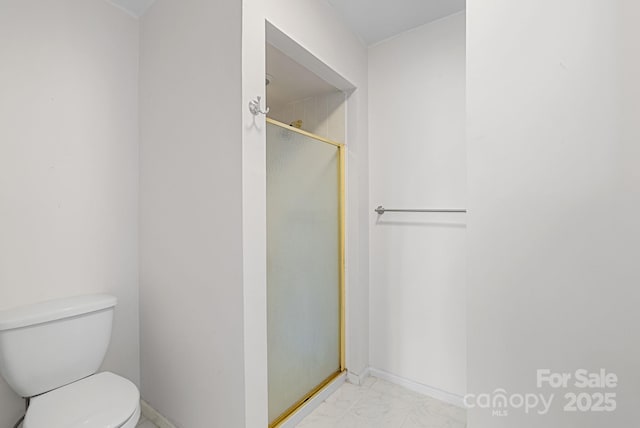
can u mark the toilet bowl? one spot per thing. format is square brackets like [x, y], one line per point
[50, 352]
[103, 400]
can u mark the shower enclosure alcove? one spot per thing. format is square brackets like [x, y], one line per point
[305, 234]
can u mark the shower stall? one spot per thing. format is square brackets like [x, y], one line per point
[305, 266]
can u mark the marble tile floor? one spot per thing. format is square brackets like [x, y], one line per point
[377, 404]
[145, 423]
[381, 404]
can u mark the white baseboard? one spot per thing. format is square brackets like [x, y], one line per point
[438, 394]
[154, 416]
[358, 379]
[313, 403]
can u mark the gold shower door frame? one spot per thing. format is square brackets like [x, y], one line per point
[341, 272]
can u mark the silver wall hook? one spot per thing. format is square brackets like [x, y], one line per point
[254, 107]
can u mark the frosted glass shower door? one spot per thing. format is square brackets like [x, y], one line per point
[304, 268]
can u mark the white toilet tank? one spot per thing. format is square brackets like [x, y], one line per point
[48, 345]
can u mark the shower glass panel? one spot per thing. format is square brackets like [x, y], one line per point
[304, 265]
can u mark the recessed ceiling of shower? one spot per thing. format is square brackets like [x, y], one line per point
[135, 7]
[290, 81]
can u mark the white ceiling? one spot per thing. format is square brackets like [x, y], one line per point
[371, 20]
[376, 20]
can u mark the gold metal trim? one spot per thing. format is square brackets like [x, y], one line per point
[341, 263]
[291, 410]
[300, 131]
[342, 256]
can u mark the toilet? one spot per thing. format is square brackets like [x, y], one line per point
[50, 353]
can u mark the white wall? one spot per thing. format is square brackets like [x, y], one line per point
[69, 163]
[418, 160]
[191, 212]
[315, 26]
[554, 177]
[323, 115]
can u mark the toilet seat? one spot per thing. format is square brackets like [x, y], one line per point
[103, 400]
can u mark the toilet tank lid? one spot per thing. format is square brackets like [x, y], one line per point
[38, 313]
